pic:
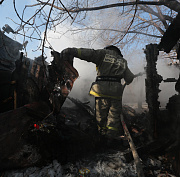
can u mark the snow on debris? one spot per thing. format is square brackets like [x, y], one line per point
[99, 165]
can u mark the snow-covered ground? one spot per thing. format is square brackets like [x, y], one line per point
[110, 163]
[100, 165]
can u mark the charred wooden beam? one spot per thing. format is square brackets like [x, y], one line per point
[133, 149]
[152, 84]
[174, 126]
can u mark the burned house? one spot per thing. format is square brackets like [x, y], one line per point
[45, 132]
[32, 92]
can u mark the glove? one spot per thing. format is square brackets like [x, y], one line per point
[68, 54]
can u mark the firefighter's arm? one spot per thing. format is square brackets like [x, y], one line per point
[89, 55]
[128, 76]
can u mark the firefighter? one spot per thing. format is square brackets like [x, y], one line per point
[107, 89]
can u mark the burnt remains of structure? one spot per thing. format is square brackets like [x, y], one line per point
[31, 111]
[166, 123]
[152, 85]
[33, 93]
[9, 53]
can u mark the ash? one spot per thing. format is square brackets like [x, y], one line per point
[98, 165]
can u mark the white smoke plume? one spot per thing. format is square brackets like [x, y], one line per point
[135, 92]
[87, 72]
[167, 70]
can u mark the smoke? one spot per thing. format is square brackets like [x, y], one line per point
[87, 71]
[133, 93]
[136, 92]
[166, 71]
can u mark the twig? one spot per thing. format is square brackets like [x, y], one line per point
[66, 9]
[35, 13]
[136, 32]
[45, 38]
[18, 14]
[29, 37]
[48, 116]
[1, 1]
[75, 10]
[130, 23]
[50, 46]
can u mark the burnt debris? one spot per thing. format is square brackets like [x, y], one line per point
[35, 129]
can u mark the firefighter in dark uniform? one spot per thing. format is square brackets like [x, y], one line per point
[107, 89]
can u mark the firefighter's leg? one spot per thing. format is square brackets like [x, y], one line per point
[114, 127]
[102, 109]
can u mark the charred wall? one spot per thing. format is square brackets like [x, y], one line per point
[165, 123]
[152, 82]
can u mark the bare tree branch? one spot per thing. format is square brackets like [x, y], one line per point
[129, 25]
[66, 9]
[1, 1]
[153, 23]
[151, 11]
[45, 38]
[144, 22]
[158, 22]
[76, 9]
[161, 17]
[173, 4]
[18, 14]
[30, 37]
[33, 15]
[99, 29]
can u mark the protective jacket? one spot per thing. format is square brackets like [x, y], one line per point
[111, 68]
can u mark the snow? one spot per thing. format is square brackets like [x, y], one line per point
[99, 165]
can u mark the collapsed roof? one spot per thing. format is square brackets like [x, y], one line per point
[9, 52]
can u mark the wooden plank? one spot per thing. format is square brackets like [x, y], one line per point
[133, 149]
